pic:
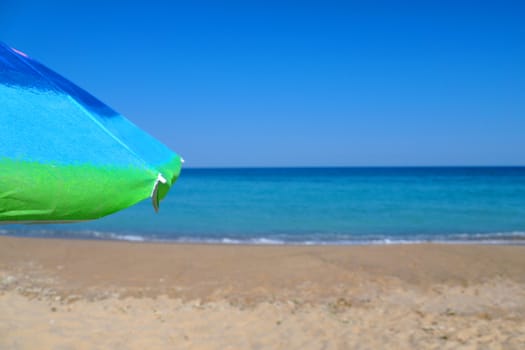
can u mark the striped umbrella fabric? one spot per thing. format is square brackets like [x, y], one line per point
[66, 156]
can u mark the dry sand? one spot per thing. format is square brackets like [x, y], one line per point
[69, 294]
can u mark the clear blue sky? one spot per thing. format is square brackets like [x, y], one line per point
[251, 83]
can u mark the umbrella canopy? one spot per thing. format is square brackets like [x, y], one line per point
[66, 156]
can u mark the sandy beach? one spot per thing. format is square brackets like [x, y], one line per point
[73, 294]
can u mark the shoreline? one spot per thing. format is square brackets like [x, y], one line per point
[514, 238]
[89, 293]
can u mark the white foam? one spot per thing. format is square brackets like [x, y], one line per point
[512, 237]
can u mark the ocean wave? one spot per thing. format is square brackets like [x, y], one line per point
[512, 237]
[116, 236]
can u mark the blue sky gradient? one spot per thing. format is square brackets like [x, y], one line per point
[296, 83]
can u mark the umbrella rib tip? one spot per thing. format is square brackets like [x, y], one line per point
[154, 193]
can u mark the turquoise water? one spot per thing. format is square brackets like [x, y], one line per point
[322, 205]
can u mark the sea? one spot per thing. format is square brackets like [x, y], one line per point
[336, 206]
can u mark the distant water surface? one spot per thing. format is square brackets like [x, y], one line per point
[322, 206]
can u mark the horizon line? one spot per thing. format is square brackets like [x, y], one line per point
[348, 166]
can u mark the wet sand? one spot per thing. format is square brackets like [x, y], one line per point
[73, 294]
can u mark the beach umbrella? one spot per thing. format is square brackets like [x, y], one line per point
[66, 156]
